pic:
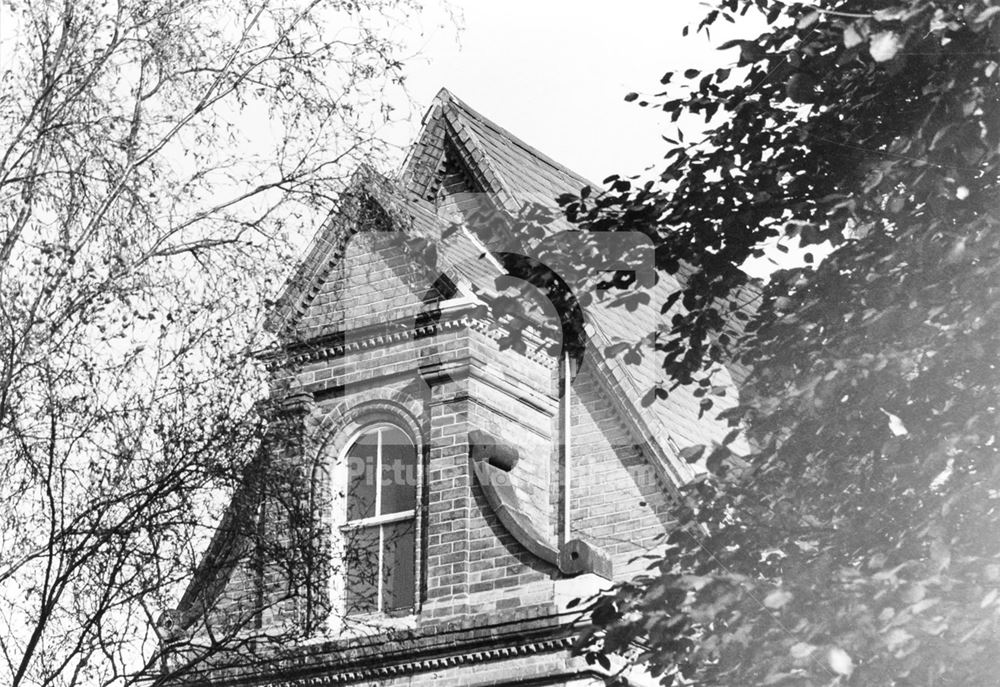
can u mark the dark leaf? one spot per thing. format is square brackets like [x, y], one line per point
[692, 454]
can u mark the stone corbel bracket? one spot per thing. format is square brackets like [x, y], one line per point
[492, 461]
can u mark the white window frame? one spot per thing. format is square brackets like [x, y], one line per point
[379, 520]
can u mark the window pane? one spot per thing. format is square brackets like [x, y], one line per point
[398, 565]
[399, 471]
[361, 468]
[362, 564]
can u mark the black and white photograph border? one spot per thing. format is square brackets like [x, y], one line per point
[379, 342]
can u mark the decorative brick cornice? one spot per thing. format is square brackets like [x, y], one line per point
[419, 666]
[466, 314]
[395, 654]
[376, 336]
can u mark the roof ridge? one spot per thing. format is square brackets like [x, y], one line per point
[444, 96]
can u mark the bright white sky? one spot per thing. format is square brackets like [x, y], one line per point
[555, 73]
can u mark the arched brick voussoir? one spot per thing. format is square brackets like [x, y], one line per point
[330, 426]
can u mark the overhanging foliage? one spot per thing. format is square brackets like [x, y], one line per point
[857, 543]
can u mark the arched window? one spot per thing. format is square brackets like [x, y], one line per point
[380, 534]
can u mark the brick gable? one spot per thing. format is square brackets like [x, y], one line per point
[376, 328]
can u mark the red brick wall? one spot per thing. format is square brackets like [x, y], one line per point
[471, 564]
[375, 280]
[617, 502]
[481, 562]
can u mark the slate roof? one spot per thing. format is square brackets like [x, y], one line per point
[511, 173]
[515, 173]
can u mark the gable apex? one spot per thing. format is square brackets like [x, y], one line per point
[366, 204]
[507, 168]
